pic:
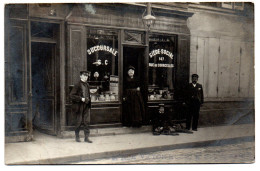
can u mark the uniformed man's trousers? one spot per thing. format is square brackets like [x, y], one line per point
[83, 118]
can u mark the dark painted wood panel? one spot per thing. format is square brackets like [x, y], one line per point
[17, 80]
[99, 114]
[18, 121]
[174, 111]
[50, 11]
[105, 115]
[17, 63]
[17, 11]
[77, 52]
[183, 62]
[76, 55]
[128, 17]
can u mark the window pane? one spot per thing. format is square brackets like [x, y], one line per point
[161, 67]
[102, 61]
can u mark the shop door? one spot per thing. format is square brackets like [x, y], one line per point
[43, 86]
[134, 56]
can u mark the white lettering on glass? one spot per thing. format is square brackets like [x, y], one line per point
[102, 48]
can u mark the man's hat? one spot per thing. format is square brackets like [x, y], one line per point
[131, 67]
[85, 73]
[195, 75]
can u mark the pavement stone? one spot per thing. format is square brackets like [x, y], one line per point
[46, 149]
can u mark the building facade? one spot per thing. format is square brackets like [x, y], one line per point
[47, 45]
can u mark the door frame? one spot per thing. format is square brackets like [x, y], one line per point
[59, 95]
[145, 74]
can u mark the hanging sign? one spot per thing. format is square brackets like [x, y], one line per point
[160, 52]
[102, 48]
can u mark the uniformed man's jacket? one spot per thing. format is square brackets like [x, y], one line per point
[194, 93]
[77, 94]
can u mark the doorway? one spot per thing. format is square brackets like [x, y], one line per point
[43, 86]
[134, 56]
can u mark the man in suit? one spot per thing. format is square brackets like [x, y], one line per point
[80, 96]
[194, 99]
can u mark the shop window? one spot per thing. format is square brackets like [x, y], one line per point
[102, 61]
[162, 55]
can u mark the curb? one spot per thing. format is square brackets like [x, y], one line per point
[121, 153]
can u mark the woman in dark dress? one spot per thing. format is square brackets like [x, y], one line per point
[133, 101]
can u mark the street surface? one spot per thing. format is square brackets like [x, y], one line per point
[243, 152]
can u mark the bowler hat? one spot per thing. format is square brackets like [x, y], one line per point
[85, 73]
[195, 75]
[131, 67]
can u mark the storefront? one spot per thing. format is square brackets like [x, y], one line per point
[105, 39]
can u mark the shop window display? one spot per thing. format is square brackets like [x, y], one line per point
[162, 55]
[102, 61]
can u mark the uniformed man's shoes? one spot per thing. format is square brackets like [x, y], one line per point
[87, 140]
[194, 130]
[77, 139]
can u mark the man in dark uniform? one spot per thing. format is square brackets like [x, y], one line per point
[194, 99]
[80, 97]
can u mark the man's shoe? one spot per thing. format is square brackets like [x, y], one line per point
[87, 140]
[187, 131]
[194, 130]
[77, 139]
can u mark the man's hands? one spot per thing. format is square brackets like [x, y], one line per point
[85, 99]
[138, 88]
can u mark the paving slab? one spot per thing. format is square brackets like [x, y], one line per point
[46, 149]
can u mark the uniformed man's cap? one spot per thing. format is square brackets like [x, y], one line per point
[85, 73]
[131, 67]
[195, 75]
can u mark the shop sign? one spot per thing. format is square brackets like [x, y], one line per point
[161, 52]
[161, 65]
[161, 58]
[102, 48]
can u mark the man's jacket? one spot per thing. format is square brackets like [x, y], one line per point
[77, 93]
[194, 94]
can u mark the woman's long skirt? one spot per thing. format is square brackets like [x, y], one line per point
[133, 108]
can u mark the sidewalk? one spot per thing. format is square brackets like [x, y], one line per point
[52, 150]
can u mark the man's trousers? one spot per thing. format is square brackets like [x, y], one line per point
[193, 114]
[83, 118]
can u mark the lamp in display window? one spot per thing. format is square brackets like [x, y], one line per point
[148, 19]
